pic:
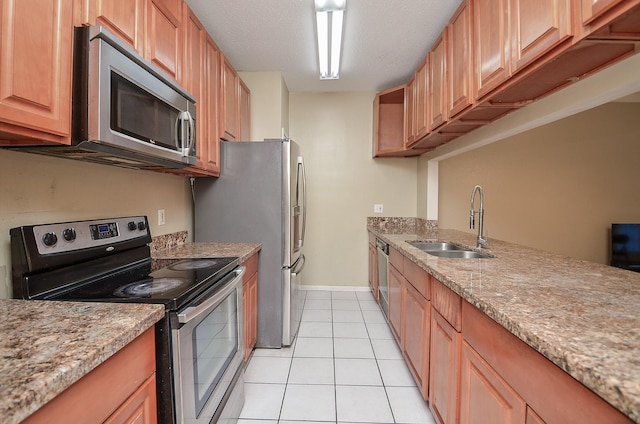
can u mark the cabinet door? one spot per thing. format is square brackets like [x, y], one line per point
[537, 26]
[410, 112]
[124, 19]
[36, 39]
[250, 305]
[484, 396]
[244, 111]
[140, 408]
[229, 102]
[491, 52]
[163, 36]
[416, 337]
[396, 295]
[437, 83]
[193, 80]
[420, 101]
[459, 56]
[212, 107]
[444, 370]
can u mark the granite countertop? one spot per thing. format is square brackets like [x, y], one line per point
[46, 346]
[583, 316]
[207, 250]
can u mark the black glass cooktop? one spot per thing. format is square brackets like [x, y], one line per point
[173, 285]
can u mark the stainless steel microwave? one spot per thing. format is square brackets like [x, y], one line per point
[125, 111]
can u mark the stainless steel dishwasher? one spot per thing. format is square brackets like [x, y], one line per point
[383, 274]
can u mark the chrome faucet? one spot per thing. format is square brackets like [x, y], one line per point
[482, 239]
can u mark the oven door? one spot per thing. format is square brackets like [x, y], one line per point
[207, 343]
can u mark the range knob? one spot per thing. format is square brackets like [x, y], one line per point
[141, 225]
[69, 234]
[132, 226]
[49, 239]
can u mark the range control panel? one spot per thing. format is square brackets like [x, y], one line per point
[70, 236]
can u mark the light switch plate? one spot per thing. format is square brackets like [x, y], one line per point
[160, 216]
[377, 208]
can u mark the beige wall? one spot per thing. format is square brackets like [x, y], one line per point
[557, 187]
[334, 131]
[269, 104]
[38, 189]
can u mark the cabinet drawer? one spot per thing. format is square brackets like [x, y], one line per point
[447, 303]
[396, 259]
[418, 277]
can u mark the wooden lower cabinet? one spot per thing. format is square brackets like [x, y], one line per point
[396, 300]
[554, 395]
[250, 304]
[415, 348]
[471, 369]
[120, 390]
[484, 396]
[444, 379]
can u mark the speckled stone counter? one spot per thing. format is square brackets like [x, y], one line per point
[207, 250]
[584, 317]
[46, 346]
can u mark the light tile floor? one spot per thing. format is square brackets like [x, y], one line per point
[344, 367]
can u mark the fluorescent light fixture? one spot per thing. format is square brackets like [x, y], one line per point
[329, 20]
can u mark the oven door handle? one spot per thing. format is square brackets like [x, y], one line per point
[192, 312]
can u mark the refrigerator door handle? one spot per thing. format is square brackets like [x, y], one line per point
[297, 266]
[301, 170]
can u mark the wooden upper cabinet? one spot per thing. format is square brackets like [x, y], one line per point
[36, 44]
[437, 88]
[193, 80]
[410, 112]
[230, 94]
[394, 121]
[212, 106]
[491, 45]
[459, 59]
[593, 9]
[163, 36]
[154, 28]
[537, 26]
[244, 111]
[124, 19]
[421, 97]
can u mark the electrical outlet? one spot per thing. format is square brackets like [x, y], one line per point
[377, 208]
[160, 216]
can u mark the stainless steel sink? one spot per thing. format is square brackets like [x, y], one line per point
[461, 254]
[447, 250]
[435, 245]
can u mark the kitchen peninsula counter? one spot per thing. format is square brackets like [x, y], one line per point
[46, 346]
[583, 316]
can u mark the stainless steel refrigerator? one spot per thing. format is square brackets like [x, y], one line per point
[260, 197]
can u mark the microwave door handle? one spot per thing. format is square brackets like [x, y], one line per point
[184, 135]
[191, 131]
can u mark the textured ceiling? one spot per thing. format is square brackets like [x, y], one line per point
[384, 40]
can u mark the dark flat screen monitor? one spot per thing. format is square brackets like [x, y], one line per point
[625, 246]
